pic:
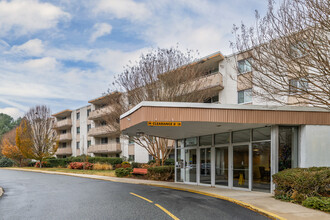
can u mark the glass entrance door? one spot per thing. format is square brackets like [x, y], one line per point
[241, 166]
[261, 166]
[190, 165]
[221, 166]
[205, 165]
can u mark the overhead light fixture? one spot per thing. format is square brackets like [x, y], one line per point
[218, 125]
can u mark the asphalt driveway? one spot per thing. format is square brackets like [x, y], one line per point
[30, 195]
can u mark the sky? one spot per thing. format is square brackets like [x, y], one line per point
[63, 53]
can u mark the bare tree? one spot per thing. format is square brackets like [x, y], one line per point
[160, 75]
[288, 50]
[35, 137]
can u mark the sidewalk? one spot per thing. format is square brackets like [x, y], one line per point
[257, 201]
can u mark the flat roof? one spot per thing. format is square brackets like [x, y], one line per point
[223, 106]
[62, 113]
[197, 119]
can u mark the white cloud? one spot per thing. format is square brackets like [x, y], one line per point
[13, 112]
[34, 47]
[42, 64]
[100, 29]
[28, 16]
[127, 9]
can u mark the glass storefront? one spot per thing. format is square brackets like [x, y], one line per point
[239, 159]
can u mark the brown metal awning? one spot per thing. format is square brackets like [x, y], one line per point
[202, 119]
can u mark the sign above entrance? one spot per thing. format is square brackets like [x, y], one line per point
[164, 123]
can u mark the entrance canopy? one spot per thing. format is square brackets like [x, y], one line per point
[197, 119]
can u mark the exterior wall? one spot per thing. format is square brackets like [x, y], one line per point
[141, 154]
[229, 94]
[314, 146]
[74, 133]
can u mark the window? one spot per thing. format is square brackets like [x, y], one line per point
[131, 157]
[222, 138]
[78, 145]
[103, 123]
[212, 99]
[205, 140]
[299, 50]
[244, 96]
[244, 66]
[130, 140]
[150, 157]
[288, 148]
[89, 143]
[261, 134]
[63, 145]
[298, 85]
[117, 140]
[63, 131]
[212, 71]
[78, 115]
[241, 136]
[89, 127]
[88, 112]
[78, 130]
[104, 140]
[191, 141]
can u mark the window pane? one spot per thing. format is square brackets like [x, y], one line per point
[240, 97]
[288, 148]
[222, 138]
[191, 141]
[241, 136]
[260, 134]
[205, 140]
[248, 95]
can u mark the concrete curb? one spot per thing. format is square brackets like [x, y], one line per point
[157, 184]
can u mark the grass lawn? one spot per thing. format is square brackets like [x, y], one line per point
[66, 170]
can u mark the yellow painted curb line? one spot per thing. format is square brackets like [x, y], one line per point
[238, 202]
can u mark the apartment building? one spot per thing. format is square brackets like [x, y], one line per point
[239, 141]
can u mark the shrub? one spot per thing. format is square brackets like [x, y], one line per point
[321, 203]
[43, 164]
[164, 173]
[57, 162]
[81, 165]
[136, 165]
[121, 172]
[6, 162]
[124, 162]
[169, 162]
[102, 166]
[118, 166]
[31, 163]
[300, 183]
[151, 161]
[108, 160]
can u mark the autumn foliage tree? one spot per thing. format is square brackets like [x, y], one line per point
[35, 137]
[9, 148]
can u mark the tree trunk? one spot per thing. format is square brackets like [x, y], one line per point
[40, 164]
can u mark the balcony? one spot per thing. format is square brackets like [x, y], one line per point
[105, 148]
[99, 113]
[213, 81]
[65, 137]
[63, 123]
[64, 151]
[102, 131]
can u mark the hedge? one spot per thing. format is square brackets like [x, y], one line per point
[167, 162]
[321, 203]
[163, 173]
[64, 162]
[299, 184]
[6, 162]
[121, 172]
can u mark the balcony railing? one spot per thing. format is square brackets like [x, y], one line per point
[105, 148]
[64, 151]
[65, 137]
[101, 131]
[63, 123]
[215, 80]
[99, 113]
